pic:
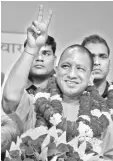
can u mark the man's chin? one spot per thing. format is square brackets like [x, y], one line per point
[98, 79]
[70, 92]
[99, 75]
[40, 74]
[72, 95]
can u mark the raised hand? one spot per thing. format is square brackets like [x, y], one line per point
[37, 33]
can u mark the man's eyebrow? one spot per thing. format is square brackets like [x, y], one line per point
[67, 62]
[103, 54]
[100, 54]
[81, 65]
[70, 63]
[46, 51]
[64, 62]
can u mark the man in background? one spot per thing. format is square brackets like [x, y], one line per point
[101, 52]
[32, 70]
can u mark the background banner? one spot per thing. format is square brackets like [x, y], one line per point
[12, 45]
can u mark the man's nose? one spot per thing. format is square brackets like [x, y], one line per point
[72, 73]
[39, 57]
[96, 60]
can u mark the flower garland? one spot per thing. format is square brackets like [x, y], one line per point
[93, 117]
[93, 114]
[84, 133]
[48, 105]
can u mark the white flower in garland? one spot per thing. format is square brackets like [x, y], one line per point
[42, 94]
[96, 113]
[85, 117]
[86, 92]
[87, 138]
[81, 128]
[56, 97]
[84, 130]
[110, 87]
[55, 119]
[111, 111]
[89, 132]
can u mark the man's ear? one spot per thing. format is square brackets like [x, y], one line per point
[55, 59]
[55, 63]
[109, 65]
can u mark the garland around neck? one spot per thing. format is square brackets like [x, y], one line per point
[79, 140]
[93, 116]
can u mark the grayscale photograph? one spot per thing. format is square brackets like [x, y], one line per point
[56, 81]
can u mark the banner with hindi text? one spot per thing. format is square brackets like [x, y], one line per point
[12, 45]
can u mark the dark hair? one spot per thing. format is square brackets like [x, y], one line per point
[95, 39]
[82, 49]
[50, 41]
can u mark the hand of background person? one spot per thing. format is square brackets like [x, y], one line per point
[37, 33]
[11, 127]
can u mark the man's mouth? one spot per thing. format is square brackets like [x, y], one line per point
[39, 66]
[71, 82]
[97, 70]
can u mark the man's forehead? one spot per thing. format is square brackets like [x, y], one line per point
[72, 54]
[46, 47]
[96, 47]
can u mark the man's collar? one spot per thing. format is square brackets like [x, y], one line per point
[104, 95]
[29, 83]
[30, 87]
